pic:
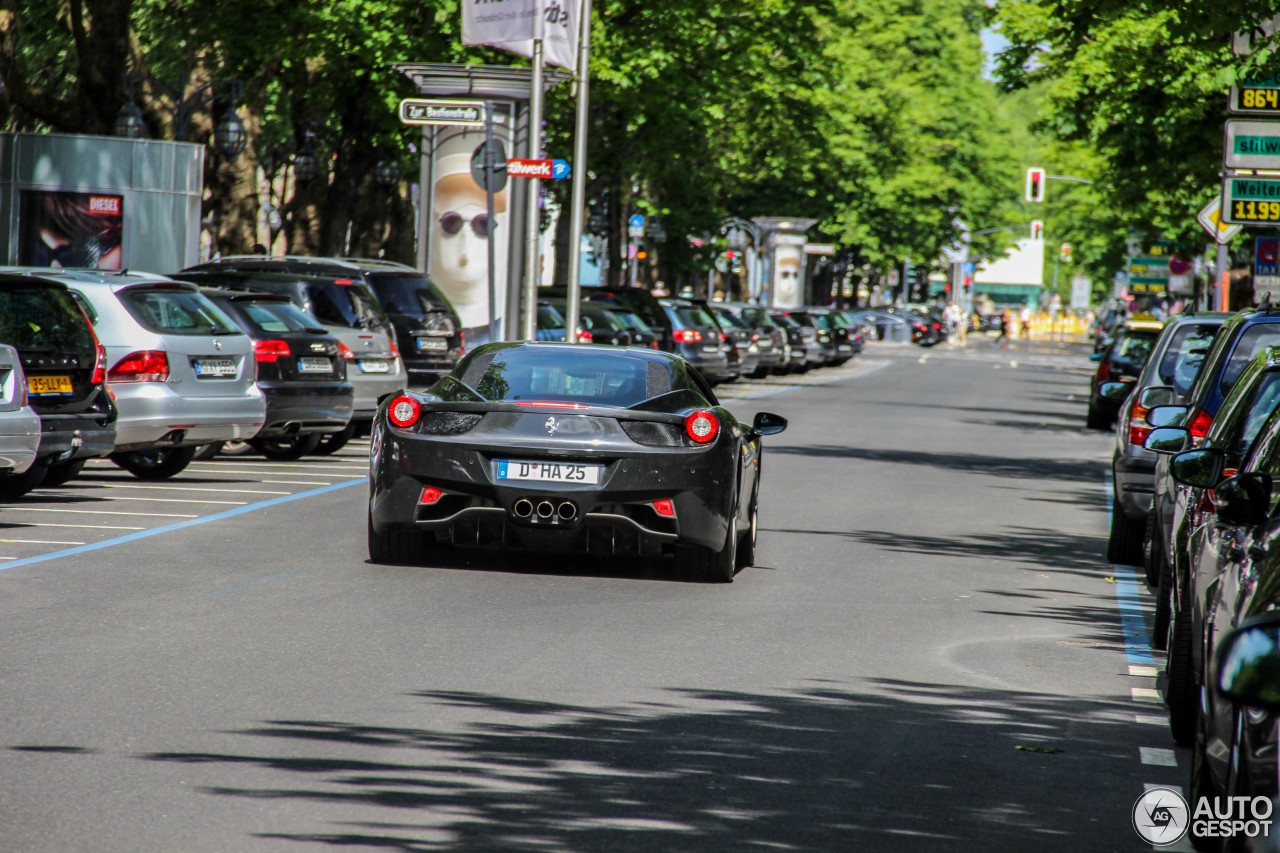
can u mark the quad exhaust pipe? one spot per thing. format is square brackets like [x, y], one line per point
[525, 508]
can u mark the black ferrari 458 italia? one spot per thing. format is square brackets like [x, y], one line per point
[568, 447]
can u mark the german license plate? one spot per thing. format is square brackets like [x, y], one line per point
[49, 385]
[437, 344]
[549, 472]
[374, 365]
[214, 368]
[315, 365]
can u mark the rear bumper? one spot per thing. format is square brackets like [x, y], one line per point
[1134, 479]
[19, 440]
[299, 408]
[151, 414]
[67, 437]
[614, 516]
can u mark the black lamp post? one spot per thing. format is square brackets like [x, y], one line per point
[229, 135]
[306, 166]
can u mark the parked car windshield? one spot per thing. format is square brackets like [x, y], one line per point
[1251, 342]
[692, 316]
[1184, 355]
[728, 318]
[44, 318]
[345, 305]
[1133, 348]
[177, 312]
[534, 374]
[407, 294]
[275, 316]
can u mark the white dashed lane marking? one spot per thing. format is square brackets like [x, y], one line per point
[1145, 694]
[1157, 756]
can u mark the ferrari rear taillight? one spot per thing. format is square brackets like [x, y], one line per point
[1199, 424]
[142, 366]
[687, 336]
[702, 427]
[269, 351]
[404, 411]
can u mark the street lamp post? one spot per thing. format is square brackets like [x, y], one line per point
[229, 134]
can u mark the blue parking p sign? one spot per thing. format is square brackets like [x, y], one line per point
[1266, 256]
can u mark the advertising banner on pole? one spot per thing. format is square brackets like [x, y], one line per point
[459, 228]
[514, 24]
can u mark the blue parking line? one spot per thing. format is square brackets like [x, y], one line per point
[1133, 622]
[155, 531]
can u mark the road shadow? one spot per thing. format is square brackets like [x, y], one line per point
[886, 766]
[1039, 468]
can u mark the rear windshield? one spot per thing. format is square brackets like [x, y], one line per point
[1132, 348]
[407, 294]
[556, 376]
[782, 321]
[275, 316]
[631, 320]
[598, 319]
[1250, 344]
[345, 305]
[728, 318]
[1184, 355]
[177, 312]
[692, 316]
[42, 318]
[550, 318]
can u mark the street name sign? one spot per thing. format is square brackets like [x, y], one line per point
[1251, 144]
[431, 111]
[521, 168]
[1251, 200]
[1210, 219]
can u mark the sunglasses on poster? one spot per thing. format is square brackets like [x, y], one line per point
[451, 223]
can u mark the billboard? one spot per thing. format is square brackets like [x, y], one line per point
[70, 229]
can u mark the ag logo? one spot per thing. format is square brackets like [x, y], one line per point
[1160, 816]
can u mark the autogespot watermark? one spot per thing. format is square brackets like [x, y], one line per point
[1162, 817]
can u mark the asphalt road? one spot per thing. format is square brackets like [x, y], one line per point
[932, 653]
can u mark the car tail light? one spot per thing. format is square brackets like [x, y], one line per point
[1104, 372]
[143, 366]
[664, 508]
[687, 336]
[1199, 424]
[430, 494]
[755, 338]
[702, 427]
[937, 326]
[462, 344]
[343, 281]
[404, 411]
[269, 351]
[395, 350]
[654, 344]
[345, 351]
[724, 336]
[1137, 431]
[585, 337]
[99, 364]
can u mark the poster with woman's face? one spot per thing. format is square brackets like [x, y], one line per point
[70, 230]
[788, 266]
[460, 231]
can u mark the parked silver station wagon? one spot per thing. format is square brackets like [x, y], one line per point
[183, 373]
[19, 424]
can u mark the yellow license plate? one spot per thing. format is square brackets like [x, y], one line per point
[48, 384]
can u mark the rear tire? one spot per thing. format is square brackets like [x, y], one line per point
[396, 546]
[63, 472]
[14, 486]
[208, 451]
[1151, 550]
[1124, 545]
[1180, 684]
[286, 449]
[335, 441]
[158, 463]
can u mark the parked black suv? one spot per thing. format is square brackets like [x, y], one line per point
[427, 329]
[302, 376]
[637, 300]
[66, 372]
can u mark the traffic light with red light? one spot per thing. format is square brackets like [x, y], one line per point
[1035, 184]
[1037, 229]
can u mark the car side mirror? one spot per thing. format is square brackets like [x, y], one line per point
[1163, 416]
[1247, 664]
[1245, 498]
[1201, 468]
[1116, 392]
[1156, 395]
[1166, 440]
[767, 423]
